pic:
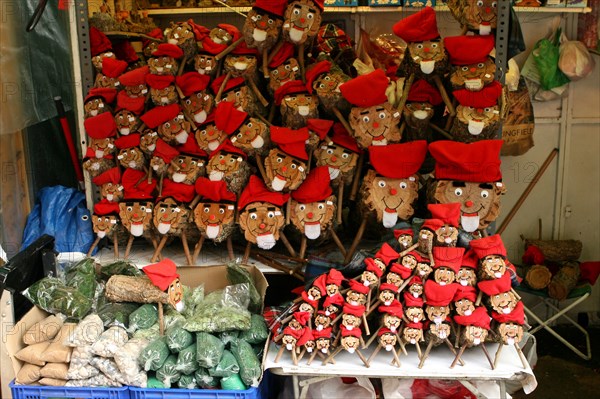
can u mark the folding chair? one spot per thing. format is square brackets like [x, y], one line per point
[578, 294]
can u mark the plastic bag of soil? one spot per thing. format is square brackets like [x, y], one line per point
[209, 350]
[186, 360]
[178, 339]
[250, 367]
[120, 267]
[258, 332]
[154, 355]
[236, 274]
[117, 312]
[168, 373]
[227, 366]
[205, 380]
[187, 382]
[143, 317]
[221, 311]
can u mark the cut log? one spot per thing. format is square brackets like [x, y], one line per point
[538, 277]
[564, 281]
[558, 250]
[134, 289]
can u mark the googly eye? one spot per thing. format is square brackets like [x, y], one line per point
[487, 109]
[203, 132]
[221, 211]
[129, 209]
[270, 21]
[434, 45]
[167, 125]
[494, 4]
[132, 151]
[270, 214]
[419, 46]
[293, 166]
[310, 15]
[279, 160]
[465, 68]
[249, 124]
[194, 163]
[237, 94]
[253, 216]
[322, 86]
[180, 160]
[485, 194]
[480, 3]
[188, 102]
[302, 207]
[258, 17]
[321, 206]
[345, 156]
[382, 115]
[239, 135]
[99, 220]
[480, 65]
[403, 185]
[162, 210]
[206, 209]
[143, 208]
[275, 72]
[366, 119]
[381, 183]
[296, 11]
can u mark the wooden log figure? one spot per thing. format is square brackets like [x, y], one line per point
[135, 90]
[169, 122]
[101, 47]
[98, 101]
[340, 154]
[491, 253]
[478, 16]
[419, 109]
[404, 238]
[164, 60]
[474, 329]
[109, 77]
[437, 334]
[101, 130]
[105, 223]
[392, 316]
[412, 333]
[325, 78]
[181, 34]
[296, 104]
[263, 25]
[301, 21]
[283, 67]
[127, 122]
[289, 342]
[239, 93]
[97, 166]
[413, 309]
[398, 274]
[509, 328]
[197, 101]
[333, 305]
[249, 134]
[189, 165]
[130, 154]
[501, 296]
[470, 175]
[148, 140]
[351, 341]
[415, 287]
[333, 282]
[285, 166]
[357, 293]
[464, 300]
[208, 136]
[439, 298]
[472, 66]
[149, 46]
[447, 263]
[467, 273]
[306, 343]
[229, 164]
[160, 162]
[322, 321]
[386, 340]
[444, 223]
[478, 113]
[109, 184]
[162, 89]
[317, 132]
[322, 344]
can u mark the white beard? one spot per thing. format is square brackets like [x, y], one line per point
[415, 320]
[420, 114]
[266, 241]
[312, 231]
[95, 166]
[215, 175]
[99, 153]
[506, 310]
[179, 306]
[351, 350]
[349, 328]
[164, 100]
[303, 110]
[259, 35]
[393, 329]
[427, 66]
[213, 145]
[240, 66]
[389, 219]
[137, 230]
[212, 231]
[309, 350]
[388, 348]
[124, 131]
[474, 84]
[442, 335]
[464, 282]
[289, 347]
[387, 303]
[163, 228]
[476, 341]
[475, 127]
[296, 34]
[179, 177]
[182, 137]
[437, 320]
[324, 350]
[510, 341]
[278, 184]
[101, 234]
[469, 223]
[413, 341]
[200, 117]
[442, 283]
[152, 147]
[172, 41]
[414, 294]
[132, 164]
[155, 167]
[468, 312]
[497, 274]
[258, 142]
[447, 240]
[109, 197]
[485, 29]
[333, 173]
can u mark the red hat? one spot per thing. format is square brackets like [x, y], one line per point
[135, 77]
[319, 282]
[432, 224]
[312, 302]
[418, 326]
[292, 142]
[398, 161]
[133, 104]
[302, 317]
[190, 147]
[491, 245]
[162, 273]
[450, 257]
[215, 191]
[131, 140]
[421, 91]
[336, 299]
[395, 309]
[125, 51]
[159, 82]
[168, 50]
[475, 162]
[231, 84]
[287, 89]
[105, 207]
[470, 259]
[516, 316]
[324, 333]
[179, 191]
[226, 146]
[372, 267]
[358, 287]
[273, 7]
[355, 310]
[135, 185]
[366, 90]
[293, 332]
[164, 151]
[315, 187]
[465, 50]
[342, 138]
[156, 33]
[210, 46]
[320, 4]
[411, 302]
[486, 97]
[319, 126]
[99, 42]
[439, 295]
[314, 71]
[100, 126]
[447, 213]
[355, 332]
[415, 280]
[192, 82]
[228, 118]
[399, 232]
[418, 27]
[113, 175]
[257, 191]
[243, 49]
[479, 318]
[467, 292]
[107, 93]
[495, 286]
[334, 276]
[307, 335]
[200, 32]
[388, 286]
[285, 53]
[159, 115]
[113, 68]
[386, 253]
[384, 330]
[400, 270]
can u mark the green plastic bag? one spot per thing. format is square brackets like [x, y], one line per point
[119, 312]
[236, 274]
[119, 267]
[226, 367]
[258, 332]
[187, 382]
[82, 277]
[546, 54]
[154, 355]
[205, 380]
[227, 336]
[154, 382]
[143, 317]
[209, 350]
[250, 368]
[220, 311]
[186, 360]
[168, 373]
[233, 383]
[178, 339]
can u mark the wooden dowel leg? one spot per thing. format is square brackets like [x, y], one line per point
[198, 248]
[158, 249]
[332, 355]
[275, 50]
[257, 92]
[402, 346]
[247, 252]
[261, 167]
[359, 234]
[521, 356]
[487, 355]
[362, 357]
[294, 357]
[303, 245]
[407, 250]
[312, 357]
[279, 354]
[479, 297]
[229, 49]
[186, 248]
[418, 349]
[301, 62]
[444, 94]
[265, 63]
[366, 325]
[441, 131]
[288, 211]
[407, 84]
[220, 92]
[340, 201]
[396, 357]
[94, 245]
[497, 358]
[337, 241]
[356, 181]
[116, 243]
[449, 345]
[287, 244]
[375, 352]
[458, 355]
[129, 244]
[342, 120]
[422, 362]
[230, 249]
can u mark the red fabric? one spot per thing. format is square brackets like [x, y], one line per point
[355, 332]
[105, 207]
[398, 161]
[366, 90]
[319, 282]
[285, 53]
[162, 273]
[388, 286]
[336, 299]
[314, 71]
[399, 232]
[112, 67]
[334, 276]
[257, 191]
[466, 50]
[447, 213]
[421, 91]
[307, 335]
[215, 191]
[134, 77]
[516, 316]
[156, 33]
[324, 333]
[450, 257]
[294, 333]
[358, 287]
[159, 115]
[100, 126]
[159, 82]
[372, 267]
[386, 253]
[135, 185]
[418, 27]
[135, 105]
[342, 138]
[432, 224]
[190, 147]
[302, 317]
[479, 318]
[418, 326]
[395, 309]
[113, 175]
[439, 295]
[495, 286]
[131, 140]
[292, 142]
[533, 256]
[243, 49]
[415, 280]
[228, 118]
[99, 42]
[192, 82]
[384, 330]
[491, 245]
[124, 51]
[107, 93]
[168, 50]
[475, 162]
[486, 97]
[466, 292]
[355, 310]
[164, 151]
[589, 271]
[226, 146]
[470, 259]
[200, 32]
[400, 270]
[319, 126]
[287, 89]
[315, 187]
[411, 302]
[320, 4]
[179, 191]
[275, 7]
[231, 84]
[209, 46]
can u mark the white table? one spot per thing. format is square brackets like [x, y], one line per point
[437, 366]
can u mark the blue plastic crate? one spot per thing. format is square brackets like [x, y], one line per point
[43, 392]
[175, 393]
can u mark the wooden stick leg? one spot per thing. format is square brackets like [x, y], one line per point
[332, 355]
[161, 319]
[457, 336]
[357, 172]
[444, 94]
[261, 167]
[272, 112]
[312, 357]
[521, 356]
[265, 63]
[402, 346]
[441, 131]
[116, 244]
[220, 92]
[487, 355]
[429, 346]
[186, 248]
[342, 120]
[294, 357]
[279, 354]
[458, 355]
[396, 357]
[287, 244]
[288, 211]
[497, 358]
[340, 201]
[449, 345]
[337, 241]
[375, 352]
[229, 49]
[359, 234]
[303, 244]
[129, 244]
[372, 338]
[407, 250]
[275, 50]
[247, 252]
[407, 84]
[418, 350]
[257, 92]
[181, 69]
[94, 245]
[301, 62]
[160, 184]
[198, 248]
[362, 357]
[230, 248]
[158, 249]
[479, 297]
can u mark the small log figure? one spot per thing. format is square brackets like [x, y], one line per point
[325, 78]
[130, 154]
[296, 104]
[306, 343]
[477, 115]
[101, 48]
[492, 257]
[164, 60]
[110, 186]
[162, 158]
[501, 296]
[101, 130]
[419, 109]
[127, 121]
[412, 333]
[229, 164]
[415, 287]
[351, 340]
[404, 238]
[208, 136]
[472, 66]
[98, 102]
[162, 89]
[289, 343]
[133, 98]
[105, 223]
[322, 344]
[509, 329]
[333, 305]
[169, 122]
[111, 70]
[249, 134]
[148, 140]
[444, 223]
[467, 273]
[478, 16]
[197, 101]
[413, 309]
[182, 35]
[437, 334]
[189, 165]
[322, 321]
[149, 46]
[474, 329]
[333, 282]
[387, 340]
[211, 43]
[97, 166]
[238, 92]
[285, 166]
[447, 264]
[301, 22]
[283, 67]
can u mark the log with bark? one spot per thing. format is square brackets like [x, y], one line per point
[564, 281]
[538, 277]
[557, 250]
[134, 289]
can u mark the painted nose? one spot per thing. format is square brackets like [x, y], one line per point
[262, 24]
[375, 124]
[469, 203]
[284, 169]
[211, 133]
[480, 110]
[302, 20]
[310, 215]
[488, 10]
[183, 166]
[222, 162]
[212, 217]
[426, 49]
[393, 191]
[135, 215]
[334, 158]
[262, 226]
[472, 70]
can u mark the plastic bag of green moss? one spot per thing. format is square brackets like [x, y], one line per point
[236, 274]
[187, 382]
[250, 368]
[178, 339]
[168, 373]
[227, 366]
[233, 383]
[192, 298]
[41, 293]
[150, 333]
[82, 277]
[119, 267]
[220, 311]
[154, 382]
[70, 302]
[227, 336]
[117, 312]
[209, 350]
[143, 317]
[258, 332]
[186, 360]
[154, 355]
[205, 380]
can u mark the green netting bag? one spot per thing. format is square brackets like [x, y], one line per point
[233, 383]
[187, 382]
[227, 366]
[250, 368]
[546, 54]
[178, 339]
[209, 350]
[205, 380]
[168, 372]
[154, 355]
[258, 331]
[186, 360]
[143, 317]
[119, 312]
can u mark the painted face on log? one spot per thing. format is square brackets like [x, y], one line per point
[350, 321]
[376, 125]
[240, 65]
[394, 278]
[350, 343]
[163, 65]
[148, 141]
[369, 278]
[409, 261]
[169, 216]
[112, 192]
[252, 136]
[429, 56]
[97, 60]
[205, 64]
[322, 321]
[220, 36]
[412, 335]
[474, 335]
[243, 98]
[126, 122]
[479, 122]
[446, 236]
[209, 137]
[136, 216]
[175, 131]
[493, 266]
[104, 225]
[441, 330]
[464, 307]
[481, 15]
[504, 302]
[355, 298]
[261, 223]
[211, 218]
[261, 30]
[417, 117]
[473, 77]
[97, 166]
[159, 166]
[176, 295]
[405, 241]
[510, 333]
[198, 106]
[132, 158]
[225, 165]
[386, 297]
[182, 35]
[392, 322]
[286, 72]
[136, 91]
[106, 82]
[437, 314]
[387, 341]
[150, 48]
[165, 96]
[327, 87]
[322, 344]
[284, 171]
[416, 290]
[190, 168]
[302, 20]
[289, 341]
[466, 276]
[340, 161]
[94, 107]
[423, 269]
[444, 275]
[313, 218]
[297, 108]
[413, 314]
[102, 147]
